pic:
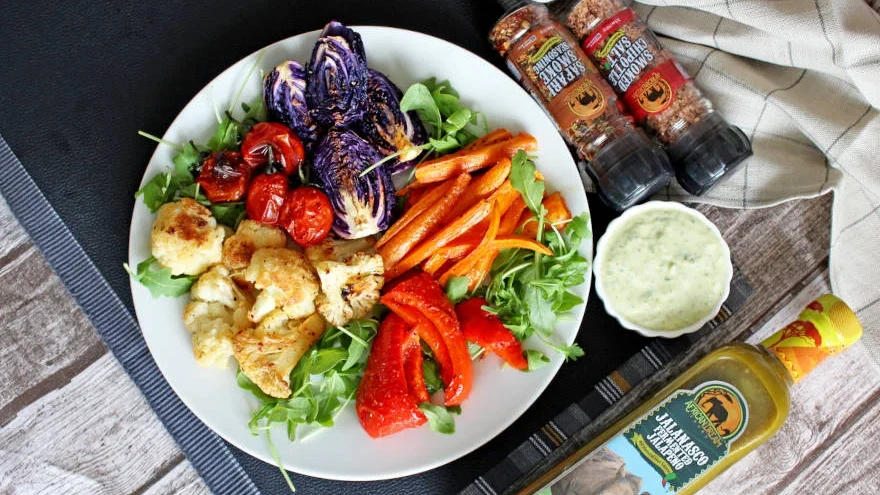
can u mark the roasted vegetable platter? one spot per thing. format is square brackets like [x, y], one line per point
[282, 208]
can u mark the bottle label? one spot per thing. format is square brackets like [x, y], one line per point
[667, 448]
[562, 75]
[824, 328]
[632, 61]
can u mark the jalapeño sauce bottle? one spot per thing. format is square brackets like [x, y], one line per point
[709, 417]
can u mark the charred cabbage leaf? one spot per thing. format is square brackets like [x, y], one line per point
[362, 205]
[387, 127]
[336, 90]
[284, 94]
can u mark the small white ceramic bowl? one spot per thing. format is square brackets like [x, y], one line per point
[602, 253]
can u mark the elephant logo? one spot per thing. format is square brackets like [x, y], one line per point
[587, 101]
[724, 408]
[655, 94]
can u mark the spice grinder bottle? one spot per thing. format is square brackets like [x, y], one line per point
[626, 166]
[703, 147]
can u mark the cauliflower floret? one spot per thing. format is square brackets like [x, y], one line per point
[285, 280]
[212, 326]
[351, 279]
[268, 353]
[250, 236]
[186, 237]
[217, 311]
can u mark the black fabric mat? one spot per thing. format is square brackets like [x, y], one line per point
[80, 78]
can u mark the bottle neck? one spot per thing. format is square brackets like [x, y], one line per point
[827, 326]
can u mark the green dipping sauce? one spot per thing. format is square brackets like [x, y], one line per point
[664, 269]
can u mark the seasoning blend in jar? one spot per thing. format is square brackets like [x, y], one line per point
[703, 147]
[625, 165]
[710, 416]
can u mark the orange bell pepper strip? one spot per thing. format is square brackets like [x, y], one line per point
[384, 404]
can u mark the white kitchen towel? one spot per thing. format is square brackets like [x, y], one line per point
[802, 79]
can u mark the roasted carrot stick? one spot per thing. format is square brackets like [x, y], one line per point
[557, 214]
[511, 217]
[481, 268]
[491, 138]
[463, 266]
[446, 235]
[472, 160]
[422, 225]
[481, 187]
[425, 202]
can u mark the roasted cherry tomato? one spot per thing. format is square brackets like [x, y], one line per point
[307, 215]
[275, 144]
[265, 198]
[224, 177]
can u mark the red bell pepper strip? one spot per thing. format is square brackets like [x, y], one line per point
[485, 329]
[412, 368]
[422, 293]
[384, 404]
[428, 332]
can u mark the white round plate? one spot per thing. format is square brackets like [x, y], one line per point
[345, 452]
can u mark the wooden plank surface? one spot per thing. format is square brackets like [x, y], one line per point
[72, 422]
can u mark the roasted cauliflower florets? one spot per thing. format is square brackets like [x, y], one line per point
[286, 281]
[186, 237]
[217, 311]
[269, 352]
[351, 279]
[212, 326]
[250, 236]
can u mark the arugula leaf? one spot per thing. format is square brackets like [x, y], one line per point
[157, 191]
[419, 98]
[229, 214]
[159, 281]
[522, 178]
[536, 359]
[456, 289]
[440, 418]
[528, 291]
[432, 376]
[323, 382]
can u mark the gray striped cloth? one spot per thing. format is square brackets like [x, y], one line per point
[568, 431]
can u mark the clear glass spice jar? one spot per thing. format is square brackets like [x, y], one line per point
[626, 166]
[659, 94]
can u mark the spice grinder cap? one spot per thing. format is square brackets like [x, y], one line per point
[629, 170]
[707, 152]
[517, 22]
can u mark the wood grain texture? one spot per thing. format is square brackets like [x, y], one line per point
[182, 480]
[46, 339]
[95, 435]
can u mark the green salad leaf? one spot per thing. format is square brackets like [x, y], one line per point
[530, 292]
[449, 124]
[159, 280]
[439, 417]
[322, 383]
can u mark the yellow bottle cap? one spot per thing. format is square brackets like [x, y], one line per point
[827, 326]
